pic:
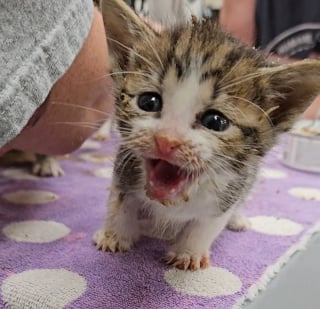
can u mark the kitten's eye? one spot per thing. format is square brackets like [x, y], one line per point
[150, 102]
[214, 120]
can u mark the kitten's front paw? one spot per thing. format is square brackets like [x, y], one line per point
[109, 241]
[186, 261]
[239, 223]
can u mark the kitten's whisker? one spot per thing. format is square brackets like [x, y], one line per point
[256, 106]
[123, 117]
[133, 51]
[124, 161]
[224, 158]
[251, 76]
[122, 120]
[212, 181]
[243, 79]
[230, 72]
[133, 72]
[82, 107]
[75, 124]
[112, 88]
[240, 111]
[98, 122]
[155, 52]
[220, 164]
[125, 150]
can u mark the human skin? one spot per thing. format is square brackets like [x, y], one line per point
[238, 18]
[77, 104]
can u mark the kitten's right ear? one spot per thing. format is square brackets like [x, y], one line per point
[123, 28]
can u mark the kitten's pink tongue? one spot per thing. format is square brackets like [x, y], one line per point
[165, 180]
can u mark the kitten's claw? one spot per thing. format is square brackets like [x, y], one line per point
[185, 261]
[239, 223]
[109, 241]
[47, 167]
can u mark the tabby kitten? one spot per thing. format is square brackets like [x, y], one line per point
[197, 112]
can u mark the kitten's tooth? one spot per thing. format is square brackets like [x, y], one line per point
[166, 203]
[185, 196]
[169, 203]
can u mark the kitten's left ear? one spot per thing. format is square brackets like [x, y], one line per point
[292, 89]
[123, 29]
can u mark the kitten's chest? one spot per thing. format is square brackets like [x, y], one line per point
[200, 205]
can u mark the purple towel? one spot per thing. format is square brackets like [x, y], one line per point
[47, 259]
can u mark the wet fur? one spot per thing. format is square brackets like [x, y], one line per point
[195, 67]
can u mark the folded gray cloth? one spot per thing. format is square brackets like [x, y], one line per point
[39, 39]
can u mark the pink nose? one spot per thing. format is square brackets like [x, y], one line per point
[166, 144]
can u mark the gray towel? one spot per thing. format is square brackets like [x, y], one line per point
[39, 39]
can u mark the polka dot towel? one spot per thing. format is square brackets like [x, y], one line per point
[47, 259]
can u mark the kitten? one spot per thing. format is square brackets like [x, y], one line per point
[41, 165]
[197, 112]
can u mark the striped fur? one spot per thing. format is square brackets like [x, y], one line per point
[195, 68]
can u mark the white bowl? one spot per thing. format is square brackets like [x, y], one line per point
[302, 146]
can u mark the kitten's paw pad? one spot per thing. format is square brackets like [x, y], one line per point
[109, 241]
[239, 223]
[47, 168]
[185, 261]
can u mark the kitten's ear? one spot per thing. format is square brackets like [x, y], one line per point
[292, 89]
[123, 28]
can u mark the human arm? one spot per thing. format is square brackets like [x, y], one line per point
[238, 18]
[85, 87]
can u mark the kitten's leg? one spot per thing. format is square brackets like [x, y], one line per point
[121, 228]
[46, 166]
[238, 222]
[191, 248]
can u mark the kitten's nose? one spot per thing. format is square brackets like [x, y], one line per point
[166, 144]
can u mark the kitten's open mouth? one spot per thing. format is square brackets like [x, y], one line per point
[165, 181]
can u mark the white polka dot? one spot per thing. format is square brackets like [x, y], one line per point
[42, 288]
[306, 193]
[103, 172]
[275, 226]
[30, 197]
[90, 145]
[19, 174]
[210, 282]
[272, 173]
[96, 157]
[36, 231]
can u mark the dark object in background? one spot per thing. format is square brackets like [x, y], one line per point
[288, 28]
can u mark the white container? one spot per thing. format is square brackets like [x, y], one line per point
[302, 146]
